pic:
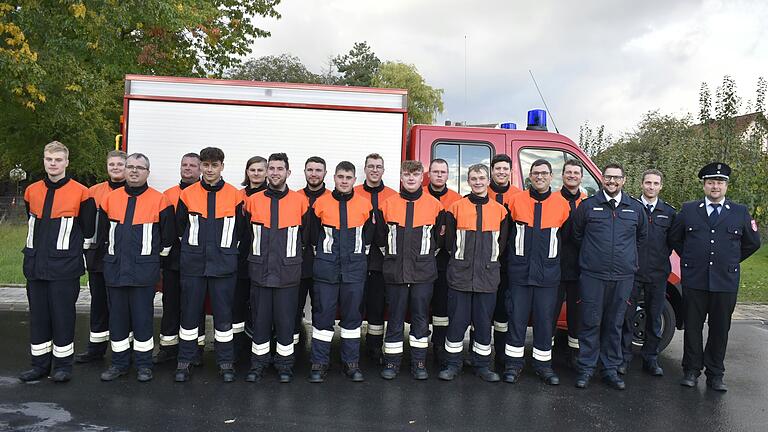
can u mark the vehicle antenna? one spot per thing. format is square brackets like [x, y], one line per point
[552, 117]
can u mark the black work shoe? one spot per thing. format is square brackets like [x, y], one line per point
[33, 374]
[113, 373]
[182, 373]
[623, 368]
[690, 379]
[419, 370]
[197, 361]
[285, 375]
[582, 381]
[448, 373]
[653, 368]
[615, 382]
[511, 375]
[390, 371]
[318, 373]
[88, 356]
[61, 376]
[487, 374]
[144, 375]
[548, 376]
[254, 375]
[353, 372]
[717, 384]
[227, 372]
[165, 354]
[376, 355]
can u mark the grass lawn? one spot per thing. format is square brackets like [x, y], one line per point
[754, 277]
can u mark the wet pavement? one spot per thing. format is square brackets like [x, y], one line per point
[205, 403]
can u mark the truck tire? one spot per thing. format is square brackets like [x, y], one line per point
[667, 325]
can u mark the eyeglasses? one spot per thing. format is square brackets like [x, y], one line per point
[136, 167]
[375, 167]
[540, 174]
[616, 178]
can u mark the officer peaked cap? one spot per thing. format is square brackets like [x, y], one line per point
[715, 171]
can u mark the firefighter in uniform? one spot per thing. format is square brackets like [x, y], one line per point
[61, 215]
[475, 237]
[314, 173]
[536, 217]
[438, 177]
[138, 225]
[712, 236]
[568, 291]
[171, 280]
[374, 190]
[209, 217]
[409, 232]
[651, 278]
[501, 191]
[255, 181]
[609, 226]
[277, 218]
[341, 234]
[94, 253]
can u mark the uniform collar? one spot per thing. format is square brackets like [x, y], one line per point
[500, 189]
[215, 188]
[338, 196]
[184, 185]
[476, 199]
[411, 196]
[707, 202]
[252, 190]
[273, 193]
[115, 185]
[314, 193]
[370, 189]
[437, 194]
[55, 185]
[539, 196]
[568, 195]
[617, 197]
[654, 204]
[137, 190]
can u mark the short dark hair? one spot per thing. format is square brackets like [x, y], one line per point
[373, 156]
[315, 159]
[139, 156]
[437, 160]
[614, 165]
[411, 166]
[573, 162]
[191, 155]
[211, 154]
[345, 166]
[652, 171]
[117, 153]
[501, 158]
[540, 162]
[279, 157]
[251, 161]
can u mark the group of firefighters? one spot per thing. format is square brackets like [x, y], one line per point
[493, 261]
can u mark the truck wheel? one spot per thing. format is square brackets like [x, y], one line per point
[667, 325]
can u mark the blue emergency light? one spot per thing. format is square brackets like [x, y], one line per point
[508, 126]
[537, 120]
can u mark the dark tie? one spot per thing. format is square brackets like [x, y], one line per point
[715, 213]
[612, 202]
[649, 207]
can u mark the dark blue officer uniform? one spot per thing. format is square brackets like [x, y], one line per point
[609, 241]
[651, 280]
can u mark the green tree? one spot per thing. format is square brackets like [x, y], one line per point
[424, 101]
[358, 66]
[760, 94]
[705, 104]
[593, 141]
[282, 68]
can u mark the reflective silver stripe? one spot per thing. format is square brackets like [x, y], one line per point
[553, 242]
[31, 232]
[112, 227]
[440, 321]
[146, 239]
[166, 250]
[520, 239]
[393, 347]
[121, 345]
[454, 347]
[328, 240]
[415, 342]
[65, 229]
[494, 246]
[169, 340]
[483, 350]
[238, 327]
[227, 231]
[99, 337]
[188, 334]
[513, 351]
[290, 244]
[461, 239]
[41, 349]
[194, 229]
[223, 336]
[260, 349]
[256, 246]
[375, 330]
[91, 242]
[284, 350]
[63, 351]
[350, 333]
[322, 335]
[542, 355]
[426, 239]
[201, 340]
[392, 239]
[358, 240]
[500, 326]
[143, 346]
[296, 338]
[573, 342]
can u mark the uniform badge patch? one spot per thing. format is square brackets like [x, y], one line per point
[754, 225]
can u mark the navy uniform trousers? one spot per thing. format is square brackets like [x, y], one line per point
[716, 308]
[171, 319]
[465, 309]
[603, 306]
[52, 322]
[524, 302]
[221, 291]
[654, 295]
[439, 315]
[305, 288]
[327, 298]
[568, 292]
[501, 318]
[99, 336]
[242, 326]
[131, 309]
[402, 298]
[273, 306]
[374, 304]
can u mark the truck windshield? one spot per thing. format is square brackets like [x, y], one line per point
[557, 158]
[460, 156]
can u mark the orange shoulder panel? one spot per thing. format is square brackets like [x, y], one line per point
[327, 210]
[493, 215]
[257, 205]
[99, 191]
[358, 211]
[114, 205]
[465, 214]
[292, 209]
[196, 199]
[393, 210]
[425, 210]
[67, 199]
[227, 200]
[554, 212]
[148, 207]
[34, 194]
[173, 194]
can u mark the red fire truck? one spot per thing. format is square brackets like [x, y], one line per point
[165, 117]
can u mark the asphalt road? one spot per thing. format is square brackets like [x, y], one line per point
[649, 404]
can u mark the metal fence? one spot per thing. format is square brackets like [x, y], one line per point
[12, 210]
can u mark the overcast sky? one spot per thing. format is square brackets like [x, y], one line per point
[603, 61]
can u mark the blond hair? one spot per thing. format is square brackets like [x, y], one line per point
[56, 147]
